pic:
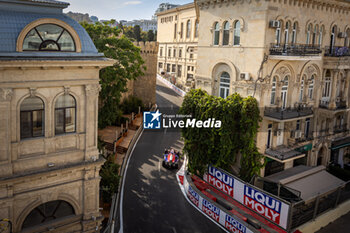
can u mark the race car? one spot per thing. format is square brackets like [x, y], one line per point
[171, 158]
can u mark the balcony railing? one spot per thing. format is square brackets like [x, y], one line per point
[288, 113]
[337, 51]
[341, 104]
[295, 50]
[340, 128]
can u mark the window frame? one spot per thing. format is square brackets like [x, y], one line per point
[42, 110]
[216, 36]
[237, 33]
[64, 116]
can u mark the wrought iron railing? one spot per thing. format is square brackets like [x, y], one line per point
[295, 50]
[336, 51]
[341, 104]
[288, 113]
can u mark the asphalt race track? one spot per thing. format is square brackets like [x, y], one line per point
[153, 201]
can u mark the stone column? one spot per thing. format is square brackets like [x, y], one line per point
[91, 119]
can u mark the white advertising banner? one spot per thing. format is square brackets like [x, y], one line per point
[232, 224]
[261, 202]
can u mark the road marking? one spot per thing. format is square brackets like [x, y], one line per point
[159, 165]
[121, 230]
[174, 230]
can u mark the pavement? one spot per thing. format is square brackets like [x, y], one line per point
[341, 225]
[152, 200]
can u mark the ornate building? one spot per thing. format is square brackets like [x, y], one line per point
[178, 36]
[293, 56]
[49, 86]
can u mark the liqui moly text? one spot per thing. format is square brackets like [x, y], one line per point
[262, 203]
[193, 196]
[220, 180]
[233, 225]
[211, 210]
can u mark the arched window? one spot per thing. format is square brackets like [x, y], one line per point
[284, 92]
[224, 85]
[226, 36]
[327, 85]
[273, 90]
[196, 29]
[320, 36]
[65, 114]
[48, 212]
[311, 87]
[216, 33]
[278, 33]
[286, 33]
[48, 37]
[332, 41]
[314, 35]
[294, 33]
[301, 95]
[237, 33]
[32, 117]
[188, 29]
[347, 38]
[308, 34]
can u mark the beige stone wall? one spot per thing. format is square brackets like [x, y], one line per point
[144, 87]
[27, 180]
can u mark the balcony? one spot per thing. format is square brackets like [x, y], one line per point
[283, 153]
[339, 105]
[295, 52]
[287, 114]
[337, 51]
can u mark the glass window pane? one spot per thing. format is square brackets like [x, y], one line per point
[65, 101]
[49, 31]
[216, 37]
[26, 125]
[66, 42]
[49, 46]
[70, 120]
[32, 41]
[38, 129]
[32, 103]
[59, 121]
[226, 37]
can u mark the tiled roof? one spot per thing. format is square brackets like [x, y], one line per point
[12, 23]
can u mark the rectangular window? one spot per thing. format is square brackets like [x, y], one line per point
[179, 71]
[191, 55]
[181, 30]
[169, 53]
[160, 65]
[188, 68]
[175, 30]
[32, 123]
[192, 68]
[174, 53]
[161, 52]
[180, 52]
[298, 125]
[173, 68]
[168, 68]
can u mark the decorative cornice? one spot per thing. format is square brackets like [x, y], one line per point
[92, 89]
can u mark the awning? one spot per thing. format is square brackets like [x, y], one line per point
[311, 182]
[340, 143]
[304, 148]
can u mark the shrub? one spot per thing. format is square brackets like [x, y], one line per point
[131, 104]
[109, 179]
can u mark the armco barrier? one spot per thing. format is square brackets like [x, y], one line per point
[172, 86]
[267, 205]
[214, 211]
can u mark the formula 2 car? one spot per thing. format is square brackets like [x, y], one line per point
[171, 158]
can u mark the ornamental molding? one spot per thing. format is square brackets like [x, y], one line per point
[6, 94]
[32, 92]
[92, 89]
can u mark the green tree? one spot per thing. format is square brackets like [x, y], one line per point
[129, 32]
[113, 80]
[137, 32]
[150, 35]
[221, 146]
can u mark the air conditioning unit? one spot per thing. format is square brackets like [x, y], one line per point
[297, 134]
[342, 35]
[274, 24]
[245, 76]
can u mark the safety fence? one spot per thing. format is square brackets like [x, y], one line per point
[172, 86]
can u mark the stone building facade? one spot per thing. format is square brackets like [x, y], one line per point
[293, 56]
[178, 37]
[49, 86]
[144, 87]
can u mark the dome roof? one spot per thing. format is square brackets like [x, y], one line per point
[13, 22]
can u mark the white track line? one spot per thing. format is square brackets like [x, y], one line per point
[121, 230]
